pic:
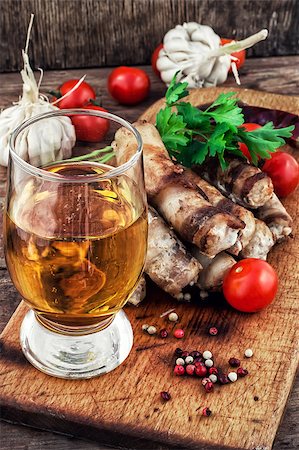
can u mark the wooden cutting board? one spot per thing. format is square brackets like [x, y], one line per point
[124, 406]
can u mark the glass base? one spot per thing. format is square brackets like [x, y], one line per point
[72, 355]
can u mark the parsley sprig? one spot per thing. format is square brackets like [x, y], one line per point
[191, 135]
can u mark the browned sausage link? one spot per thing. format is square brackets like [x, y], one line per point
[274, 214]
[242, 182]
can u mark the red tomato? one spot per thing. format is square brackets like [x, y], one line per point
[241, 55]
[90, 128]
[154, 59]
[283, 170]
[128, 85]
[250, 285]
[78, 98]
[243, 147]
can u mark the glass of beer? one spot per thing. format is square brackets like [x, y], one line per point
[75, 236]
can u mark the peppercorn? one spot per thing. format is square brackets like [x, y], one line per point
[234, 362]
[179, 333]
[213, 331]
[223, 379]
[248, 353]
[213, 371]
[195, 354]
[173, 317]
[209, 387]
[179, 370]
[209, 362]
[213, 378]
[201, 371]
[152, 330]
[180, 362]
[165, 395]
[145, 327]
[178, 352]
[206, 412]
[205, 380]
[190, 369]
[185, 354]
[207, 354]
[242, 372]
[189, 359]
[163, 333]
[232, 376]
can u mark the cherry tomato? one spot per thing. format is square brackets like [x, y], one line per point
[128, 85]
[243, 147]
[154, 59]
[250, 285]
[241, 55]
[283, 169]
[90, 128]
[78, 98]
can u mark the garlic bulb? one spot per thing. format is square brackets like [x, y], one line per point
[195, 52]
[44, 141]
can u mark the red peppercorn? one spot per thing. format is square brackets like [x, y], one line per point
[185, 354]
[234, 362]
[213, 371]
[165, 395]
[206, 412]
[223, 378]
[190, 369]
[213, 331]
[198, 363]
[179, 370]
[179, 333]
[209, 386]
[201, 371]
[242, 372]
[205, 380]
[163, 333]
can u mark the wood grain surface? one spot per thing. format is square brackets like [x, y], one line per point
[92, 33]
[15, 437]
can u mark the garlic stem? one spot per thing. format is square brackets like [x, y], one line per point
[236, 46]
[29, 32]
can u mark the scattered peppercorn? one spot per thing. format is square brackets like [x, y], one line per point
[185, 354]
[180, 362]
[209, 362]
[145, 327]
[189, 359]
[223, 379]
[201, 371]
[165, 395]
[213, 378]
[206, 412]
[213, 331]
[205, 380]
[242, 372]
[178, 352]
[234, 362]
[195, 354]
[163, 333]
[152, 330]
[256, 398]
[179, 333]
[213, 371]
[209, 387]
[190, 369]
[232, 376]
[207, 354]
[248, 353]
[179, 370]
[173, 317]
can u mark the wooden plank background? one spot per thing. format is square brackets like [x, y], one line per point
[91, 33]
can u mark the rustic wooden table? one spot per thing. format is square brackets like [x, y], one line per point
[278, 75]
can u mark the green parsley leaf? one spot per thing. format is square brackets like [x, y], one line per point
[176, 91]
[172, 129]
